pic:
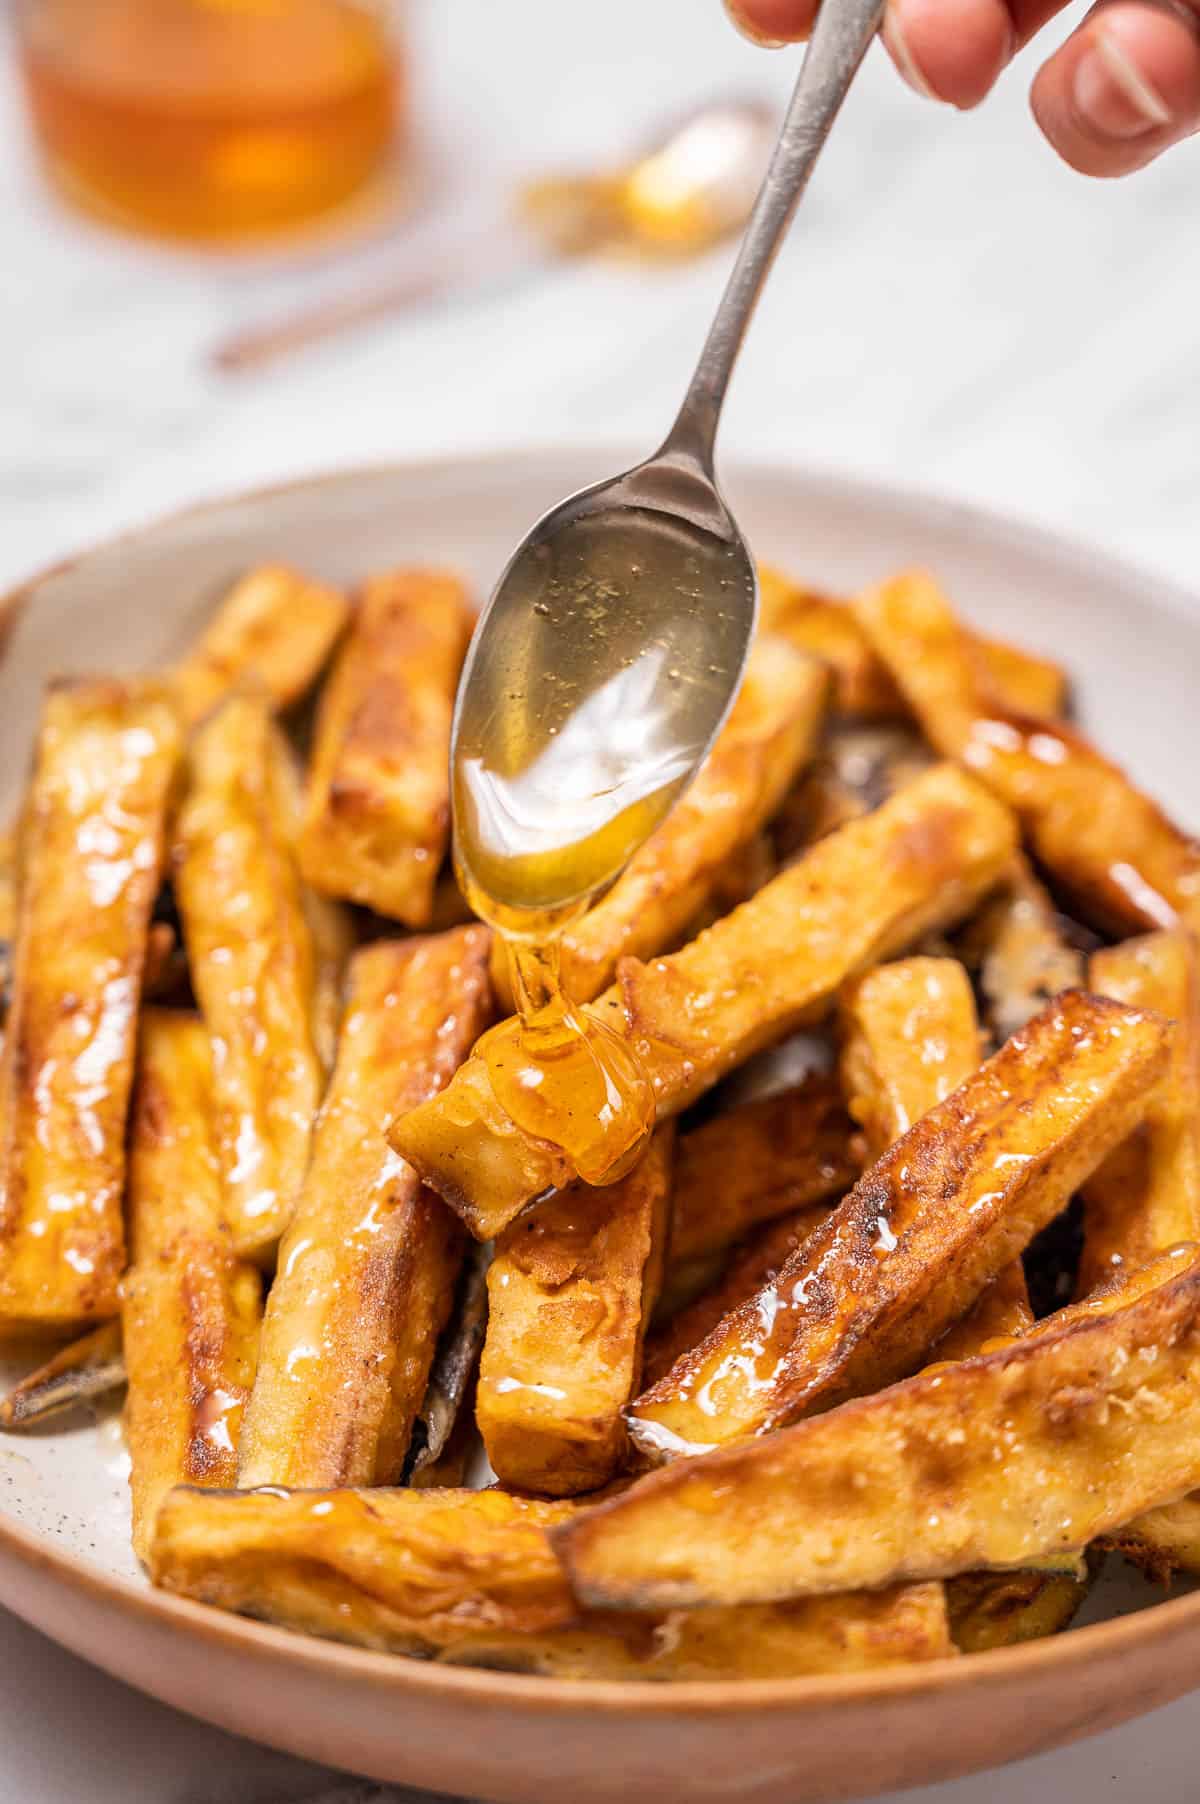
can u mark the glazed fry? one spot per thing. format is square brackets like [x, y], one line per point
[909, 1037]
[857, 770]
[377, 816]
[92, 858]
[253, 964]
[89, 1367]
[367, 1270]
[754, 1264]
[768, 737]
[1002, 1609]
[274, 629]
[864, 686]
[922, 1233]
[921, 862]
[766, 1158]
[570, 1290]
[1146, 1196]
[1002, 1310]
[1026, 1452]
[470, 1575]
[1125, 866]
[191, 1309]
[1019, 953]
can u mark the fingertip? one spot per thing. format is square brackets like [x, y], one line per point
[952, 53]
[1122, 89]
[771, 23]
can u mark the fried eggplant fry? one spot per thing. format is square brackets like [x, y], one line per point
[92, 851]
[377, 815]
[1001, 1311]
[755, 1263]
[1146, 1195]
[469, 1576]
[1016, 947]
[1030, 1451]
[768, 738]
[766, 1158]
[864, 686]
[1125, 867]
[8, 886]
[275, 629]
[191, 1309]
[570, 1290]
[944, 1210]
[857, 770]
[453, 1373]
[920, 862]
[368, 1267]
[92, 1366]
[1003, 1609]
[909, 1037]
[253, 963]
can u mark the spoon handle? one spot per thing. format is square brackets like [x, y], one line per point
[840, 39]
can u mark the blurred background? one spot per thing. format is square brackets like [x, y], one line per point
[954, 310]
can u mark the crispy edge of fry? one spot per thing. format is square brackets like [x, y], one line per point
[909, 1037]
[827, 628]
[569, 1291]
[922, 861]
[936, 1218]
[274, 627]
[1124, 864]
[766, 1158]
[768, 738]
[377, 810]
[368, 1265]
[191, 1310]
[755, 1263]
[91, 1366]
[470, 1576]
[1146, 1195]
[253, 963]
[1074, 1429]
[92, 853]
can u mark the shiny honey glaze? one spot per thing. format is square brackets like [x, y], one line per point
[210, 119]
[592, 714]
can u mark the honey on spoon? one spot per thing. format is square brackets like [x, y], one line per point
[599, 675]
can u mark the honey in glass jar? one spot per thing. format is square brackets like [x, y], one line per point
[212, 119]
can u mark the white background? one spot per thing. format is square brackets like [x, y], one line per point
[954, 309]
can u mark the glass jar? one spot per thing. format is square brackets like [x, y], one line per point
[214, 120]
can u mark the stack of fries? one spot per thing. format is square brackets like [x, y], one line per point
[777, 1402]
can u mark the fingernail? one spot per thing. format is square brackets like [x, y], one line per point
[742, 24]
[1112, 97]
[897, 43]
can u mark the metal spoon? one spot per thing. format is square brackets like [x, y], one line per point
[615, 640]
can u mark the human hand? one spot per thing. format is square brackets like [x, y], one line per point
[1124, 87]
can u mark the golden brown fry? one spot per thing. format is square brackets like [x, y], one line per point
[828, 629]
[368, 1266]
[921, 1234]
[1146, 1195]
[191, 1309]
[377, 817]
[91, 1366]
[1001, 1311]
[91, 863]
[274, 629]
[470, 1574]
[858, 1632]
[768, 737]
[920, 862]
[253, 964]
[1029, 1451]
[909, 1037]
[754, 1264]
[8, 884]
[1123, 863]
[859, 767]
[766, 1158]
[1019, 953]
[569, 1292]
[1002, 1609]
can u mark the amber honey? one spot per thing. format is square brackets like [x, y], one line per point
[211, 119]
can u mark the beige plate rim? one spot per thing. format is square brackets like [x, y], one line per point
[1066, 1653]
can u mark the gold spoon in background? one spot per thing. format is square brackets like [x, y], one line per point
[680, 195]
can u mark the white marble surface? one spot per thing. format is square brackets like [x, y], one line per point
[954, 310]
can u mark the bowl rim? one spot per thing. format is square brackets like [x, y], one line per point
[378, 1671]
